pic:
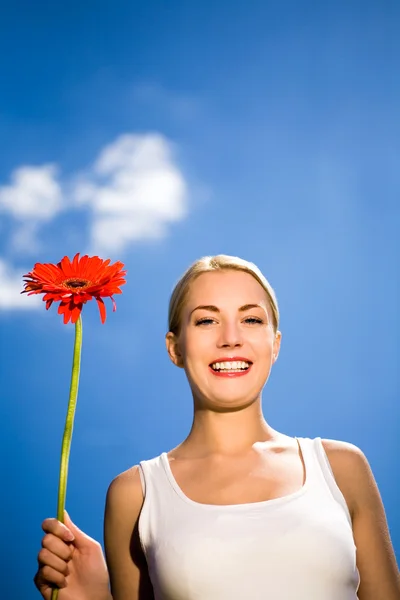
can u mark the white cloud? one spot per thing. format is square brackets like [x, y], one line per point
[134, 190]
[11, 285]
[34, 194]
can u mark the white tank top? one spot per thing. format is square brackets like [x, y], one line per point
[297, 547]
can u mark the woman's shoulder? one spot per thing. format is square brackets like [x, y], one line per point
[350, 468]
[125, 492]
[124, 554]
[344, 456]
[129, 482]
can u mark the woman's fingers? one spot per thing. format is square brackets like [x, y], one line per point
[56, 546]
[58, 529]
[47, 575]
[47, 558]
[56, 552]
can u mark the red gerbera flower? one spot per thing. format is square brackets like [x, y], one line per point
[74, 283]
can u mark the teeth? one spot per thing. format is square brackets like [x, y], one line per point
[230, 366]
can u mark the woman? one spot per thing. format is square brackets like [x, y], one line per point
[238, 510]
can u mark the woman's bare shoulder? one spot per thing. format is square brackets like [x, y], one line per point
[376, 559]
[126, 488]
[350, 468]
[126, 562]
[343, 455]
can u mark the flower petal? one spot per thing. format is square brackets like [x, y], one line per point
[76, 311]
[65, 265]
[75, 263]
[83, 266]
[102, 309]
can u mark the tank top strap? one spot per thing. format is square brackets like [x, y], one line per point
[319, 475]
[153, 477]
[157, 500]
[312, 476]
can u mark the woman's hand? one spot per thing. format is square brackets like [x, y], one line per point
[73, 561]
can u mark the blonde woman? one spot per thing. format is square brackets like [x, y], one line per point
[237, 511]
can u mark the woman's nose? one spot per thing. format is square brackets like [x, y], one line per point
[230, 336]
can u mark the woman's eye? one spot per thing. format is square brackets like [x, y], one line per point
[249, 320]
[204, 321]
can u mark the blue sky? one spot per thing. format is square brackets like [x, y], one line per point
[155, 133]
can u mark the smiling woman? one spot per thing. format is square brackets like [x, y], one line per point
[238, 510]
[209, 264]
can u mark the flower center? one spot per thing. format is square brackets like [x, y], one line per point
[76, 283]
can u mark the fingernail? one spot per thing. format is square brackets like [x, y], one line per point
[69, 536]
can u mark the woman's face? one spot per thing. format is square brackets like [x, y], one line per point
[227, 343]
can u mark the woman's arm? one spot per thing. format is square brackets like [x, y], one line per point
[126, 563]
[376, 561]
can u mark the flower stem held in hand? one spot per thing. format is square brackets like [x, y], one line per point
[73, 284]
[68, 429]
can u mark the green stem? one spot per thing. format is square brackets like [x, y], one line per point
[68, 429]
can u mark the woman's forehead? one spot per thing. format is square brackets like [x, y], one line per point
[226, 287]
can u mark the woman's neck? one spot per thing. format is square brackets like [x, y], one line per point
[227, 433]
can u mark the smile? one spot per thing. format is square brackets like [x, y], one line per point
[232, 368]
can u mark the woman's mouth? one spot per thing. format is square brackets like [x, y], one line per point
[234, 368]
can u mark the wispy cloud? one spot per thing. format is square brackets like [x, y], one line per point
[33, 197]
[180, 105]
[34, 194]
[10, 289]
[134, 191]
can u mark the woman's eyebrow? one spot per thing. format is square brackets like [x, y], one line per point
[250, 306]
[210, 307]
[213, 308]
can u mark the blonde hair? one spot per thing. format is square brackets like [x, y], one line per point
[221, 262]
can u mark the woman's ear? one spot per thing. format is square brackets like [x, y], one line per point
[277, 346]
[172, 344]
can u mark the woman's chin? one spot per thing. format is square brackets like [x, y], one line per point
[230, 403]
